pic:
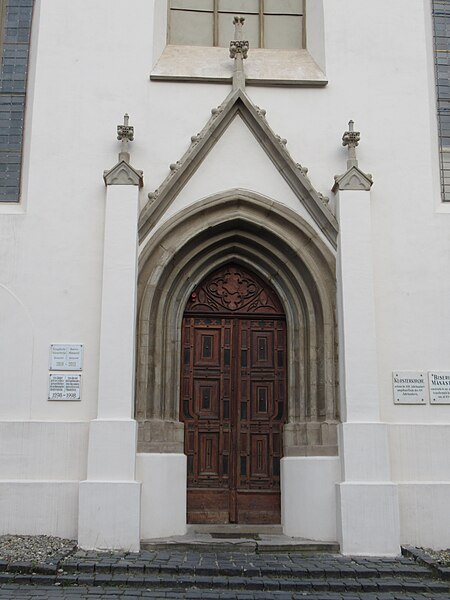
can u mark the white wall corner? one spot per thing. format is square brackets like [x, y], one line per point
[367, 515]
[308, 498]
[109, 515]
[163, 478]
[368, 519]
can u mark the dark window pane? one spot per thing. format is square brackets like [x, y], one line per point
[441, 18]
[13, 79]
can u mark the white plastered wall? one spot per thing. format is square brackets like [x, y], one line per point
[51, 248]
[420, 466]
[41, 464]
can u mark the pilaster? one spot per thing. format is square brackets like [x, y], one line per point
[367, 500]
[109, 500]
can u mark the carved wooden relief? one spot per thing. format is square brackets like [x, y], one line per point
[232, 289]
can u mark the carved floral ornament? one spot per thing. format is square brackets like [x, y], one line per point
[239, 47]
[232, 289]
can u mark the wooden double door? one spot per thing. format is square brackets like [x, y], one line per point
[233, 399]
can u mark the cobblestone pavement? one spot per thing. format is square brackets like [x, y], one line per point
[229, 575]
[89, 593]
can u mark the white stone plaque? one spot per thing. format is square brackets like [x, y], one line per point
[409, 387]
[439, 382]
[66, 357]
[64, 386]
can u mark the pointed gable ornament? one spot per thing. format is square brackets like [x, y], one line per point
[254, 117]
[353, 178]
[123, 173]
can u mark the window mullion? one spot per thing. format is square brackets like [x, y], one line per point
[216, 23]
[261, 23]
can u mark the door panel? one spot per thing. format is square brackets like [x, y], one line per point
[233, 401]
[208, 506]
[260, 422]
[206, 398]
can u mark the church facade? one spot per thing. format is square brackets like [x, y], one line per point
[196, 328]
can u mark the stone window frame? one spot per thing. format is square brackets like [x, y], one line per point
[16, 18]
[262, 13]
[441, 50]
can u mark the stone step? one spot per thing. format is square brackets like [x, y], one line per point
[238, 538]
[240, 545]
[422, 558]
[234, 529]
[225, 583]
[190, 566]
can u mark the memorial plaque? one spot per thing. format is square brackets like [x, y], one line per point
[66, 357]
[64, 386]
[409, 387]
[439, 382]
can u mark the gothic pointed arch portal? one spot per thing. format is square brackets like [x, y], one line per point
[233, 398]
[286, 253]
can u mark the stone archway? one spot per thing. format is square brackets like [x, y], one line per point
[283, 250]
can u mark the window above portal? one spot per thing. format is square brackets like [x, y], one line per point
[286, 38]
[270, 24]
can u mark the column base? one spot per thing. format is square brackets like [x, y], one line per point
[368, 519]
[164, 482]
[308, 498]
[109, 515]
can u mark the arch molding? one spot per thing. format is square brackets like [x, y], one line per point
[284, 251]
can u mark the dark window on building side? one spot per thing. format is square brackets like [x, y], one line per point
[15, 29]
[441, 18]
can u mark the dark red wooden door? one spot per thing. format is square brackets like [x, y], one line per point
[233, 398]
